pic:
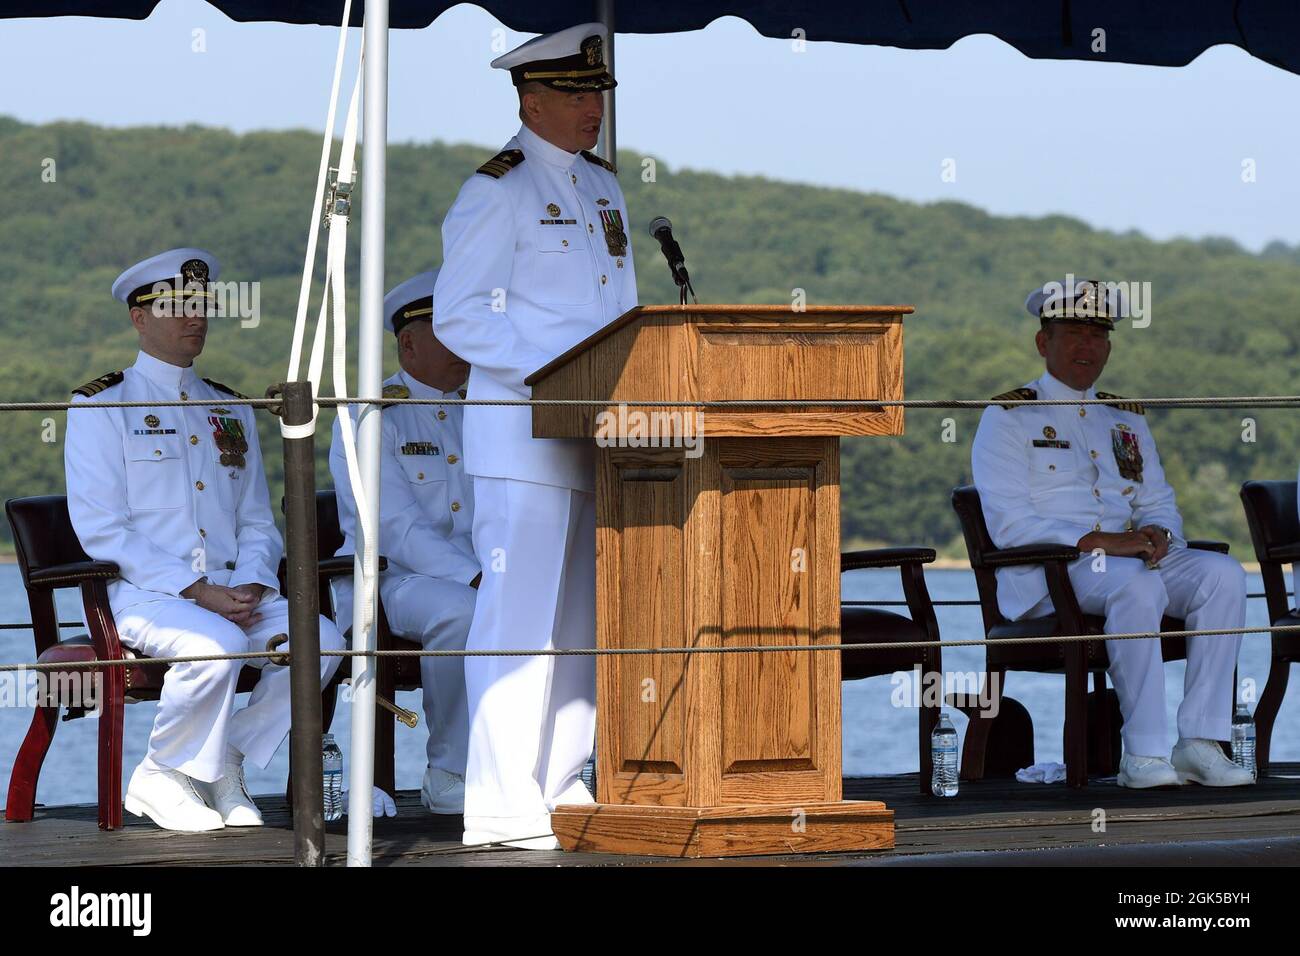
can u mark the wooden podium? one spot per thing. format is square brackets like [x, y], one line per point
[733, 540]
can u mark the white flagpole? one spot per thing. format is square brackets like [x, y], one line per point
[370, 376]
[607, 144]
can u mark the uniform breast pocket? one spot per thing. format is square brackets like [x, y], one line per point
[1052, 468]
[427, 476]
[563, 270]
[156, 477]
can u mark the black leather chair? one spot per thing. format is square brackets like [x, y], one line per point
[1275, 532]
[861, 624]
[1076, 659]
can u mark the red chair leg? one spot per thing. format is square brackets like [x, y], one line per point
[21, 804]
[1270, 702]
[1107, 764]
[1076, 716]
[975, 746]
[111, 718]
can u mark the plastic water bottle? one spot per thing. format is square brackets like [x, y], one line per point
[331, 759]
[589, 776]
[1243, 739]
[943, 757]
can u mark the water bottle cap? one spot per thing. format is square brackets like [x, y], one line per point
[327, 738]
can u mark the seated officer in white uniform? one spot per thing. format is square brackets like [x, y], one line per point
[177, 498]
[426, 514]
[1089, 475]
[536, 258]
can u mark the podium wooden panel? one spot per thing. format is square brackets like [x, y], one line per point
[729, 537]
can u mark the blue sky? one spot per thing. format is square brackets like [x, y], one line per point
[1122, 147]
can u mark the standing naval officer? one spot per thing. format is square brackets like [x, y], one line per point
[1089, 475]
[426, 515]
[176, 497]
[535, 258]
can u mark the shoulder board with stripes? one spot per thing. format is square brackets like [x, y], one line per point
[396, 391]
[99, 384]
[593, 158]
[1015, 395]
[502, 163]
[1123, 405]
[224, 388]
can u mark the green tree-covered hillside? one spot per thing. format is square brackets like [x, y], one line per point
[1224, 321]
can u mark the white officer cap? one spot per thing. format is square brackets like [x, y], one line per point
[571, 61]
[411, 300]
[160, 275]
[1090, 301]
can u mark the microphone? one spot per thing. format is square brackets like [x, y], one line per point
[662, 230]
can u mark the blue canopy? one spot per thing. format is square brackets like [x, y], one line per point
[1156, 32]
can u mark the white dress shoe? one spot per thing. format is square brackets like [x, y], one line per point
[168, 797]
[1202, 761]
[229, 795]
[442, 792]
[1140, 773]
[519, 832]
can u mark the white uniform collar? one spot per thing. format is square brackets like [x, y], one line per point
[1049, 386]
[164, 373]
[536, 147]
[420, 390]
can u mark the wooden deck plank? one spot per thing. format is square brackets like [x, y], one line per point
[992, 821]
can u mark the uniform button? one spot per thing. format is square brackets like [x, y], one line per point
[1096, 527]
[1051, 468]
[157, 451]
[573, 177]
[184, 397]
[1083, 413]
[194, 439]
[1127, 491]
[452, 459]
[564, 242]
[441, 415]
[419, 476]
[1093, 453]
[619, 263]
[202, 533]
[590, 227]
[603, 279]
[198, 485]
[455, 506]
[1096, 492]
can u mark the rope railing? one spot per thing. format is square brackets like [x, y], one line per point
[1226, 401]
[658, 651]
[21, 626]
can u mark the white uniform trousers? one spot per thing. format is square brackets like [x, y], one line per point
[1206, 589]
[436, 614]
[196, 716]
[532, 719]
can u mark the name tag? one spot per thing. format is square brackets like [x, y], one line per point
[1048, 443]
[419, 448]
[557, 222]
[154, 431]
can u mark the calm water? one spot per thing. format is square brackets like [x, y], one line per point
[878, 737]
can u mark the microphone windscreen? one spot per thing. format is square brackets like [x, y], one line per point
[659, 222]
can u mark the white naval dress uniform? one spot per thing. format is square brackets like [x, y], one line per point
[1052, 474]
[520, 283]
[146, 490]
[426, 514]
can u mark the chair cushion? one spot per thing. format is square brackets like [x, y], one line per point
[1050, 658]
[1286, 647]
[869, 625]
